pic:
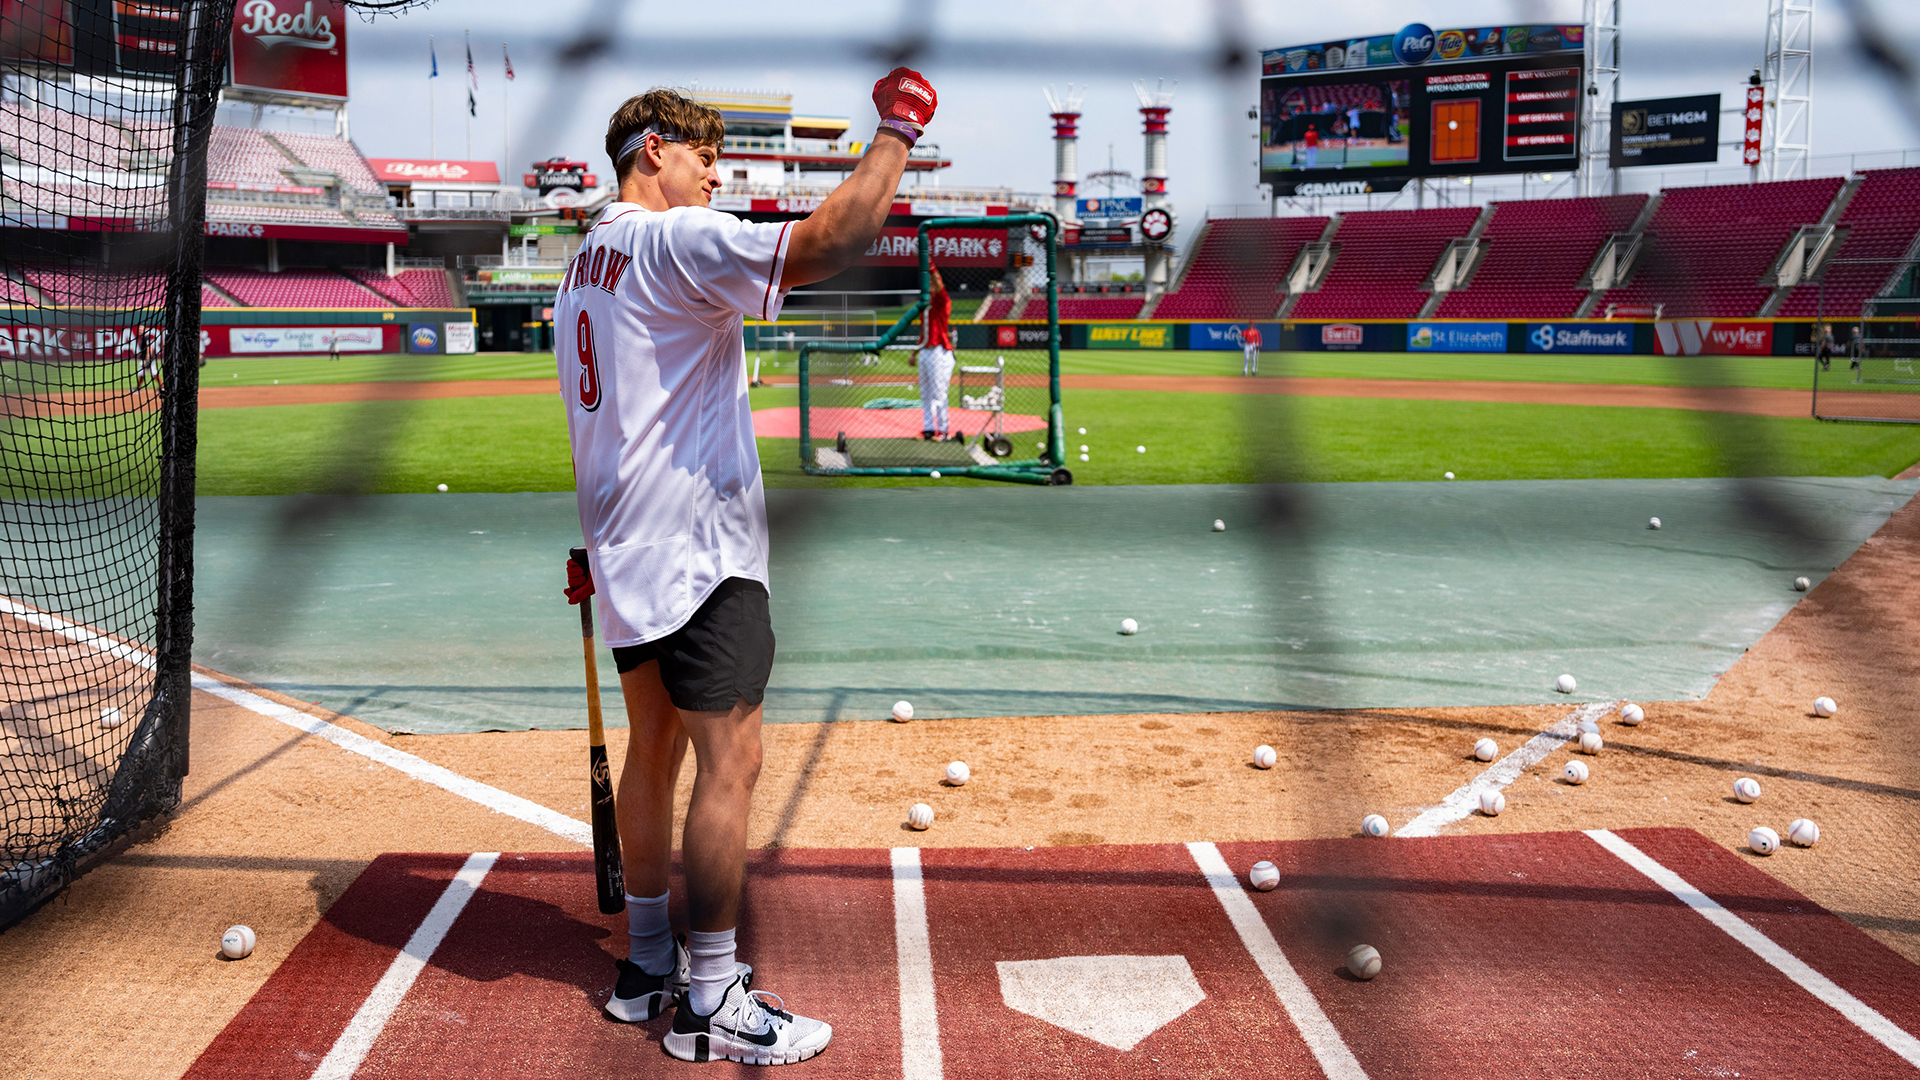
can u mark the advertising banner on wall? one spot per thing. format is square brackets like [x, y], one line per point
[1453, 337]
[1228, 336]
[434, 171]
[951, 247]
[78, 342]
[291, 47]
[252, 340]
[1349, 337]
[1712, 337]
[1130, 336]
[1665, 131]
[1578, 338]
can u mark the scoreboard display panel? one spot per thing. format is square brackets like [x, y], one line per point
[1467, 106]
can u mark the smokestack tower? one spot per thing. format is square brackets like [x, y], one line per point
[1066, 150]
[1155, 104]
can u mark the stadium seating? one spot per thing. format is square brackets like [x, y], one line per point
[1383, 257]
[209, 298]
[1885, 216]
[69, 288]
[337, 156]
[13, 292]
[279, 215]
[409, 288]
[1239, 269]
[296, 289]
[244, 156]
[1710, 246]
[1086, 307]
[1536, 253]
[998, 307]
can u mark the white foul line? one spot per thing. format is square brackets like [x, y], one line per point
[1329, 1049]
[1466, 799]
[1863, 1016]
[500, 802]
[919, 1021]
[351, 1048]
[119, 650]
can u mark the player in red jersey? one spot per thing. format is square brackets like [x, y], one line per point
[1250, 350]
[936, 360]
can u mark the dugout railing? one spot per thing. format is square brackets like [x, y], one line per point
[1869, 373]
[863, 445]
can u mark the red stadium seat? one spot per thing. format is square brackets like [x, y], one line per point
[1536, 253]
[1884, 216]
[1384, 256]
[1239, 269]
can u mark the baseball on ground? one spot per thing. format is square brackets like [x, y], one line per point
[958, 773]
[1486, 749]
[1632, 715]
[1264, 876]
[1801, 584]
[1492, 802]
[1128, 626]
[1565, 684]
[1590, 742]
[1374, 825]
[237, 942]
[920, 816]
[1825, 706]
[903, 711]
[1746, 789]
[1575, 772]
[1264, 757]
[1363, 961]
[1803, 832]
[1763, 841]
[1219, 526]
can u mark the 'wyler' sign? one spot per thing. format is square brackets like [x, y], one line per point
[1480, 337]
[1711, 337]
[950, 247]
[1578, 338]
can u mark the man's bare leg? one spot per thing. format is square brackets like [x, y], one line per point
[656, 744]
[727, 754]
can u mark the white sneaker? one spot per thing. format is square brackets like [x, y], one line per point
[745, 1028]
[639, 996]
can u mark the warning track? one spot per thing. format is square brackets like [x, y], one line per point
[1641, 952]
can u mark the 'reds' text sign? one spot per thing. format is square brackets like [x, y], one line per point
[291, 47]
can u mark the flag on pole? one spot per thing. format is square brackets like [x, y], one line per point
[434, 59]
[508, 59]
[473, 81]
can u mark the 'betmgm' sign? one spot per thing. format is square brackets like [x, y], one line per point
[1666, 131]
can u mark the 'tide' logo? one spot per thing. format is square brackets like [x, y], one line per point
[1413, 44]
[271, 27]
[1543, 337]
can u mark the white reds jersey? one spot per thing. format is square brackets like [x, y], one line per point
[647, 334]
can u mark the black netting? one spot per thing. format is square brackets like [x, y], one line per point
[103, 136]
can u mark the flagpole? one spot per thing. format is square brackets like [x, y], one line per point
[506, 119]
[432, 148]
[470, 82]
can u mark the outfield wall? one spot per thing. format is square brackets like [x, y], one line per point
[317, 331]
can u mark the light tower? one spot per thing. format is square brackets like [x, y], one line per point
[1155, 104]
[1066, 150]
[1789, 82]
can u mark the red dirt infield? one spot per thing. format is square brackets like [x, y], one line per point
[1514, 955]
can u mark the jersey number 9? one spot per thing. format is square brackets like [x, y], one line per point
[589, 365]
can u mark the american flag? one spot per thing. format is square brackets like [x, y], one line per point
[473, 82]
[508, 59]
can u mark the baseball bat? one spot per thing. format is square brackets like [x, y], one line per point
[608, 878]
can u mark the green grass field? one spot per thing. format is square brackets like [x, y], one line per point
[506, 444]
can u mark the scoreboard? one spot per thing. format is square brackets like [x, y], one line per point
[1489, 100]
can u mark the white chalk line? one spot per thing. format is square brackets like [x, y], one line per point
[1466, 799]
[494, 799]
[1321, 1037]
[72, 631]
[1862, 1015]
[919, 1018]
[351, 1048]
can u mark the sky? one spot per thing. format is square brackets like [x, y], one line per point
[991, 59]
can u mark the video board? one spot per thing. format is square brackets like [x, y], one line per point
[1371, 114]
[94, 37]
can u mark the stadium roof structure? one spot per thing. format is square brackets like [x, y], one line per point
[762, 126]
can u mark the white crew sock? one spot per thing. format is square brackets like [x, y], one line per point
[649, 934]
[713, 968]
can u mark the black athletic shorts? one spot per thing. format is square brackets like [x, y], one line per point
[721, 657]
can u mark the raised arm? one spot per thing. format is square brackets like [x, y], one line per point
[833, 237]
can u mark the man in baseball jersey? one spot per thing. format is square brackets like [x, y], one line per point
[935, 360]
[647, 332]
[1250, 350]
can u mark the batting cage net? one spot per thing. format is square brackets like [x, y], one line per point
[1864, 360]
[903, 404]
[103, 158]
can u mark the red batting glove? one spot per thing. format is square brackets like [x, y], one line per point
[579, 583]
[906, 101]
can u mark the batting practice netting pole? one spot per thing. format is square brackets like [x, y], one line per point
[889, 418]
[101, 235]
[1869, 373]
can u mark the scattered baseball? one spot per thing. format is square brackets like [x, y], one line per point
[1746, 789]
[1084, 457]
[237, 942]
[1139, 449]
[1083, 431]
[920, 817]
[1565, 684]
[1803, 832]
[1586, 726]
[1363, 961]
[935, 474]
[1825, 706]
[903, 711]
[1449, 476]
[1801, 584]
[1374, 825]
[1264, 757]
[1264, 876]
[442, 487]
[1219, 526]
[111, 717]
[1590, 742]
[1653, 523]
[1492, 802]
[1083, 448]
[1485, 749]
[1632, 715]
[1575, 772]
[1763, 841]
[958, 773]
[1128, 626]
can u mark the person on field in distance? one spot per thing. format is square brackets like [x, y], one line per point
[1250, 350]
[652, 363]
[935, 360]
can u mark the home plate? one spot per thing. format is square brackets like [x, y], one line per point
[1114, 1000]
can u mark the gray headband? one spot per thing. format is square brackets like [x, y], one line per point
[639, 139]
